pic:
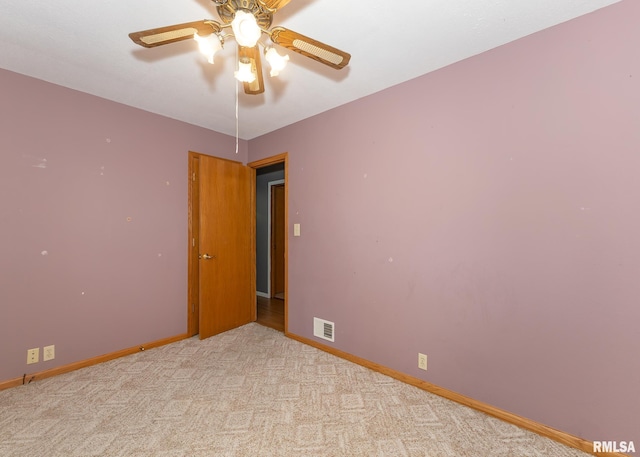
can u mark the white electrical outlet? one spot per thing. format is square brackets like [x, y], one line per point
[33, 355]
[422, 361]
[49, 353]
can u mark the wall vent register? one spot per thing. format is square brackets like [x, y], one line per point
[324, 329]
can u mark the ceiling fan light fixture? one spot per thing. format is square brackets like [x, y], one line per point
[208, 45]
[244, 73]
[276, 61]
[245, 29]
[248, 19]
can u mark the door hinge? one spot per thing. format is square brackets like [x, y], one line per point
[193, 176]
[193, 307]
[193, 242]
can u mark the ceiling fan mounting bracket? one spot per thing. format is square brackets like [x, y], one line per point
[227, 11]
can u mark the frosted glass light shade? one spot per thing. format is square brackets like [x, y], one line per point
[208, 45]
[276, 61]
[245, 29]
[244, 73]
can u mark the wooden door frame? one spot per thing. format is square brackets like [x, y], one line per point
[193, 269]
[284, 159]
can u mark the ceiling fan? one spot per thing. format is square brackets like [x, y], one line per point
[248, 21]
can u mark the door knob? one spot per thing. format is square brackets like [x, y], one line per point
[206, 256]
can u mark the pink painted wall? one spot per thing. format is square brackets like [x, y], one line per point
[487, 215]
[73, 168]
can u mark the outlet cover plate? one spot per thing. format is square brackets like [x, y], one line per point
[422, 361]
[49, 353]
[33, 355]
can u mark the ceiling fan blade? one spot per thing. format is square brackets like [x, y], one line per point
[170, 34]
[273, 5]
[252, 56]
[309, 47]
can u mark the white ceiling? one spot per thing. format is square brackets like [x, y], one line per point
[84, 45]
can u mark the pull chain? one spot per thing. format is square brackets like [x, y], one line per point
[237, 91]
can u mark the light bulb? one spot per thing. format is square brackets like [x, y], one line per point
[276, 61]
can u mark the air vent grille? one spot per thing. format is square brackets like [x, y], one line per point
[324, 329]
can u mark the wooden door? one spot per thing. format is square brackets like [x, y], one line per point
[226, 289]
[277, 241]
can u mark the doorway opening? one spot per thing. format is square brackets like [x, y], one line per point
[271, 241]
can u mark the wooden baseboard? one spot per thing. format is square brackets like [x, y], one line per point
[31, 377]
[523, 422]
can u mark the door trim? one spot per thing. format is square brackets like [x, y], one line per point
[193, 272]
[284, 159]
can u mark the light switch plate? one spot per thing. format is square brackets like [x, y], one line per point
[296, 229]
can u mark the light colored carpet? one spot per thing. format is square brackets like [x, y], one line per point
[248, 392]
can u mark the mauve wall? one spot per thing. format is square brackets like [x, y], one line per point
[486, 214]
[73, 271]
